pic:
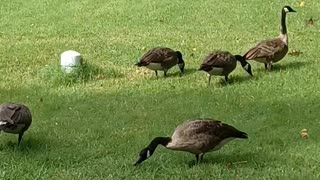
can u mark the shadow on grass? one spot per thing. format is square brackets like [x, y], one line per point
[229, 160]
[175, 74]
[29, 144]
[237, 79]
[282, 67]
[187, 71]
[54, 75]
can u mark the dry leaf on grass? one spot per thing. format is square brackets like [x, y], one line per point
[295, 53]
[304, 134]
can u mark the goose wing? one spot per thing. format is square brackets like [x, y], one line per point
[12, 113]
[203, 135]
[157, 55]
[218, 59]
[266, 49]
[209, 127]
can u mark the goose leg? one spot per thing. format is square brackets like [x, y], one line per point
[20, 138]
[266, 66]
[199, 157]
[165, 73]
[271, 66]
[226, 78]
[209, 80]
[156, 73]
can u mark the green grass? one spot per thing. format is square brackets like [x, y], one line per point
[92, 124]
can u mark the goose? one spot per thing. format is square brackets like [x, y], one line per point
[222, 63]
[15, 119]
[161, 59]
[197, 136]
[272, 50]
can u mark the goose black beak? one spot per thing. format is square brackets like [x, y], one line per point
[139, 161]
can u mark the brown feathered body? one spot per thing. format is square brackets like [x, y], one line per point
[159, 58]
[203, 135]
[196, 136]
[269, 51]
[15, 118]
[272, 50]
[220, 63]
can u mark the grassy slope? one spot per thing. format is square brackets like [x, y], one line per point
[96, 129]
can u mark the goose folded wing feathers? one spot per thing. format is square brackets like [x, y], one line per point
[153, 56]
[7, 113]
[265, 49]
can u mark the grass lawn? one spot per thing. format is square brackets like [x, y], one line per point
[94, 128]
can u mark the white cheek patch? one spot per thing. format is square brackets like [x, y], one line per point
[246, 67]
[286, 10]
[2, 123]
[148, 153]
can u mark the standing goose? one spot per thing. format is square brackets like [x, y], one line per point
[272, 50]
[15, 118]
[161, 59]
[222, 63]
[197, 136]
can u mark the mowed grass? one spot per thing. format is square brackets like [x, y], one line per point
[95, 126]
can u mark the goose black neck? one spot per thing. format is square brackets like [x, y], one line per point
[158, 140]
[283, 29]
[241, 59]
[179, 55]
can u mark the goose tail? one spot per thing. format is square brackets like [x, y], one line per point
[241, 135]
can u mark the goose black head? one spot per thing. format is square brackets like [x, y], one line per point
[180, 61]
[143, 155]
[287, 9]
[245, 65]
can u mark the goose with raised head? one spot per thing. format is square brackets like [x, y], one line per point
[15, 119]
[272, 50]
[161, 59]
[222, 63]
[196, 136]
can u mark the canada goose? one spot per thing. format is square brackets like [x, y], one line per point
[161, 59]
[222, 63]
[15, 118]
[272, 50]
[196, 136]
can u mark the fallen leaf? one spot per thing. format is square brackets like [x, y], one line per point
[304, 134]
[309, 22]
[295, 53]
[301, 4]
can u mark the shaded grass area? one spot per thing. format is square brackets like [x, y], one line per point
[105, 132]
[91, 124]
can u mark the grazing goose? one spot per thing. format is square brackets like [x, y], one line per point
[222, 63]
[272, 50]
[15, 118]
[197, 136]
[161, 59]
